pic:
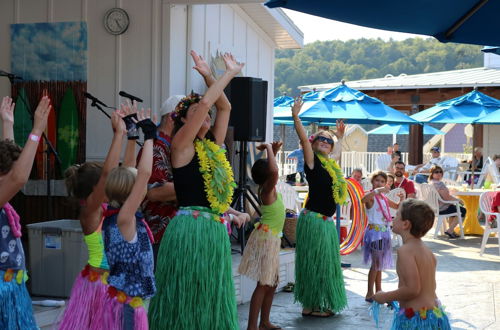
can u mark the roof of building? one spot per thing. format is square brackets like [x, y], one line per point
[276, 24]
[476, 77]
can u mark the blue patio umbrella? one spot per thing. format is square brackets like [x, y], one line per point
[492, 119]
[283, 101]
[346, 103]
[465, 109]
[389, 129]
[464, 21]
[282, 111]
[491, 49]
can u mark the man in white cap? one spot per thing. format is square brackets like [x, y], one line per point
[160, 204]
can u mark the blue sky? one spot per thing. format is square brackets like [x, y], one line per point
[49, 51]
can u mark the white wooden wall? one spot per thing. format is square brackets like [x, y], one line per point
[150, 59]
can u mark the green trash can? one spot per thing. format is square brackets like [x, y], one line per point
[57, 253]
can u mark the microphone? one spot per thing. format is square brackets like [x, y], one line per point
[131, 97]
[9, 75]
[94, 99]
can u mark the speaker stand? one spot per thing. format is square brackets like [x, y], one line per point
[243, 193]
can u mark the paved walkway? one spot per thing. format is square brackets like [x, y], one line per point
[467, 284]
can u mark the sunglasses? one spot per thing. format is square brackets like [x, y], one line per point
[438, 171]
[324, 139]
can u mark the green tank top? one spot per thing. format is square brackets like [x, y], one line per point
[274, 215]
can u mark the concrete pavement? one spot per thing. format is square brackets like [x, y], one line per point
[467, 284]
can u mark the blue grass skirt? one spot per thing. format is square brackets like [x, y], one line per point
[432, 319]
[194, 275]
[319, 281]
[16, 311]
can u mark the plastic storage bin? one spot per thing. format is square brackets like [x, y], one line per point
[57, 254]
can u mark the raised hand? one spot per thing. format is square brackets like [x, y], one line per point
[200, 65]
[41, 115]
[276, 145]
[7, 110]
[339, 133]
[128, 111]
[117, 123]
[232, 66]
[262, 147]
[297, 105]
[147, 126]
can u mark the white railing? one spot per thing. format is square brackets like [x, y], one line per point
[356, 159]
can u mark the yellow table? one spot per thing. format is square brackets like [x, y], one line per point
[471, 204]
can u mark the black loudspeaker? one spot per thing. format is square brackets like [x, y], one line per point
[248, 97]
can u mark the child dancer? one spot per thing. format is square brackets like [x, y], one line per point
[260, 260]
[377, 237]
[194, 273]
[15, 167]
[127, 240]
[416, 267]
[85, 183]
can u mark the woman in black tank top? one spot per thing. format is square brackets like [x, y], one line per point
[319, 283]
[194, 261]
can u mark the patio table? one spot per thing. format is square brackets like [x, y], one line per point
[471, 204]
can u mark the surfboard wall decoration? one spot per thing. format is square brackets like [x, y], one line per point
[67, 130]
[57, 54]
[22, 118]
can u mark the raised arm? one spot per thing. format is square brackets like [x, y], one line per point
[339, 133]
[7, 114]
[129, 113]
[301, 132]
[222, 104]
[267, 193]
[97, 197]
[126, 218]
[15, 179]
[184, 138]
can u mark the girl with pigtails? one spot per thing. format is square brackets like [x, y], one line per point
[85, 184]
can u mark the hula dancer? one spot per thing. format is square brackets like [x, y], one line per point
[15, 167]
[194, 274]
[377, 246]
[127, 240]
[319, 282]
[260, 260]
[416, 267]
[86, 183]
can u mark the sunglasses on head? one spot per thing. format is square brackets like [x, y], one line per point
[323, 139]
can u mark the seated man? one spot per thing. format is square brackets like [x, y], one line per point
[402, 182]
[384, 161]
[298, 155]
[422, 170]
[357, 174]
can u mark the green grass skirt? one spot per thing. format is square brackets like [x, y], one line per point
[319, 282]
[194, 281]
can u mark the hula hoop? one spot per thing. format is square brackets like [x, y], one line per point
[359, 219]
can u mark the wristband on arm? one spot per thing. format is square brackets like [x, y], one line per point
[132, 130]
[148, 129]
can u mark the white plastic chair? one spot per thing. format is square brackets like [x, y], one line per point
[430, 195]
[393, 196]
[290, 196]
[450, 166]
[485, 202]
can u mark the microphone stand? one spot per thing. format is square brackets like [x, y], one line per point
[50, 150]
[98, 106]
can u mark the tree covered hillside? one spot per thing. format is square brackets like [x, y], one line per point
[332, 61]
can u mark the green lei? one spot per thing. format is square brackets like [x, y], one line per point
[339, 184]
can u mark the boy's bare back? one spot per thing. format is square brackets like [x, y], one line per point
[416, 267]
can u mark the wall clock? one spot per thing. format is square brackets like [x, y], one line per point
[116, 21]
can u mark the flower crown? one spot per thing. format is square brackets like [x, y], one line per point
[186, 102]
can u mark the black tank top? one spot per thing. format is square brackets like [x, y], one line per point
[189, 185]
[320, 189]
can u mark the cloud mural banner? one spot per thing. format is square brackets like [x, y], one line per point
[52, 57]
